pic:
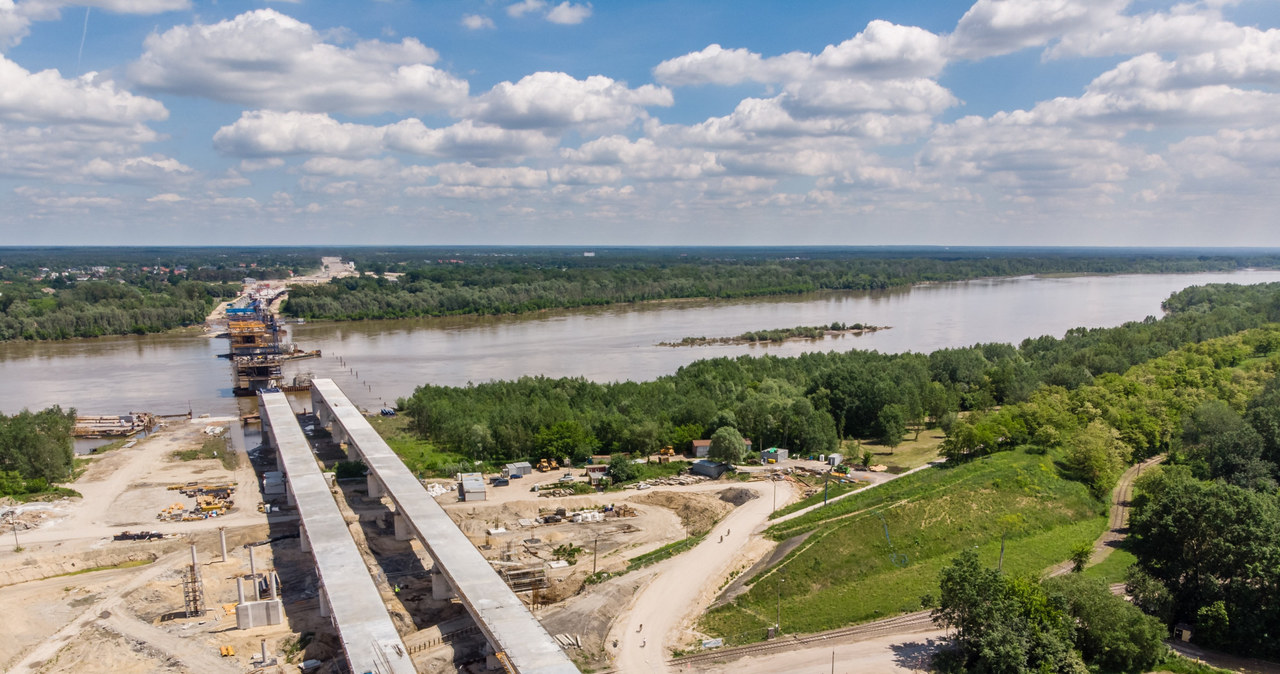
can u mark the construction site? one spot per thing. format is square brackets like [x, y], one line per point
[171, 565]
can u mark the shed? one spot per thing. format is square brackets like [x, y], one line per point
[471, 487]
[834, 459]
[711, 469]
[700, 448]
[596, 471]
[777, 454]
[520, 468]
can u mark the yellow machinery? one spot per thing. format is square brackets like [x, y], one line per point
[667, 451]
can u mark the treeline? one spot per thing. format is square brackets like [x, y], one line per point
[35, 450]
[494, 284]
[808, 403]
[1206, 529]
[97, 308]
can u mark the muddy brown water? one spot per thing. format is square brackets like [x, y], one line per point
[379, 361]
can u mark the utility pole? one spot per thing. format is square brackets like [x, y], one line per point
[17, 547]
[826, 489]
[777, 626]
[595, 554]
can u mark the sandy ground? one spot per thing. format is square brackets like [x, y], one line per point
[898, 653]
[127, 487]
[680, 588]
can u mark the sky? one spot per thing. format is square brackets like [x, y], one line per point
[633, 122]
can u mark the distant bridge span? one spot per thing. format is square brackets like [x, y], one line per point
[505, 621]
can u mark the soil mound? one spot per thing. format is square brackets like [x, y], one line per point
[697, 512]
[737, 496]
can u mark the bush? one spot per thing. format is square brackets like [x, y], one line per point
[344, 470]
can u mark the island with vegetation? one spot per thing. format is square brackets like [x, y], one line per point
[781, 335]
[1037, 436]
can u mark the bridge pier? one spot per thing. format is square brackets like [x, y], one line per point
[403, 531]
[303, 541]
[325, 610]
[440, 588]
[374, 486]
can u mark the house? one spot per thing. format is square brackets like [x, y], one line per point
[711, 469]
[471, 487]
[596, 471]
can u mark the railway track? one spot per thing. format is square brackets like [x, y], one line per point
[903, 624]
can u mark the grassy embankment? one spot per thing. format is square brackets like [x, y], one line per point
[877, 553]
[212, 448]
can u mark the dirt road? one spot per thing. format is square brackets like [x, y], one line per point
[876, 479]
[682, 586]
[894, 653]
[1117, 527]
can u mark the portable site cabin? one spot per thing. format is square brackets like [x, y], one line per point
[518, 469]
[711, 469]
[775, 453]
[471, 487]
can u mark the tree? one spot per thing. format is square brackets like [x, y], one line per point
[1080, 556]
[893, 424]
[621, 469]
[1111, 633]
[727, 445]
[1096, 457]
[563, 440]
[1004, 624]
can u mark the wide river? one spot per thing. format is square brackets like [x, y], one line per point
[379, 361]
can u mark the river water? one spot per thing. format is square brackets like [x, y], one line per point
[379, 361]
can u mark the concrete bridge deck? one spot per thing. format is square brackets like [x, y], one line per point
[347, 593]
[505, 621]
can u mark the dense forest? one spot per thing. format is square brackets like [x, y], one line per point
[496, 283]
[808, 403]
[35, 450]
[61, 293]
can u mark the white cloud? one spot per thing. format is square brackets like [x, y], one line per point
[14, 24]
[154, 169]
[1185, 30]
[268, 60]
[466, 139]
[507, 176]
[166, 198]
[995, 27]
[881, 50]
[569, 14]
[476, 21]
[16, 18]
[523, 7]
[264, 133]
[549, 100]
[252, 165]
[46, 97]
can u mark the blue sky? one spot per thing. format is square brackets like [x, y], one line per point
[1018, 122]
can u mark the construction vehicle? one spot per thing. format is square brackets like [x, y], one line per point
[545, 465]
[667, 451]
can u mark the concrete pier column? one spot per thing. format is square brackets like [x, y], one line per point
[222, 541]
[239, 590]
[253, 571]
[324, 603]
[375, 487]
[403, 532]
[440, 588]
[303, 540]
[274, 588]
[289, 498]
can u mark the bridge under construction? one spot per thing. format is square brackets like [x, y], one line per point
[348, 594]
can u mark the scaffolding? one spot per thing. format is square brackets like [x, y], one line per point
[193, 588]
[256, 354]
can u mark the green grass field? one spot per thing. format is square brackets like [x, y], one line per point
[1114, 568]
[877, 553]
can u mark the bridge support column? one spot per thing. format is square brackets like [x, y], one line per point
[375, 487]
[303, 541]
[325, 612]
[403, 533]
[440, 588]
[289, 498]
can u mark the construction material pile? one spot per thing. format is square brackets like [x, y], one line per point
[212, 500]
